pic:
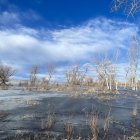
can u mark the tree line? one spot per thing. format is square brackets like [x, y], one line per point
[104, 66]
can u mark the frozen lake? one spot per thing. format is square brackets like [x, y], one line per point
[24, 111]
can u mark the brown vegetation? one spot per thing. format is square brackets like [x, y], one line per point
[69, 129]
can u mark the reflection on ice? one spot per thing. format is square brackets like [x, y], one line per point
[10, 99]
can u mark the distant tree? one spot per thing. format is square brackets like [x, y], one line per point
[23, 83]
[50, 72]
[33, 75]
[5, 73]
[88, 80]
[127, 69]
[75, 76]
[134, 58]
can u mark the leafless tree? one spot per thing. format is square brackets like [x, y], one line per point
[126, 76]
[129, 7]
[89, 80]
[134, 57]
[33, 75]
[5, 73]
[50, 72]
[23, 83]
[101, 69]
[75, 76]
[106, 70]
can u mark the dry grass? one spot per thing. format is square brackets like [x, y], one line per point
[49, 122]
[107, 121]
[93, 126]
[69, 129]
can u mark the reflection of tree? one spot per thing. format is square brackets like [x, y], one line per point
[134, 129]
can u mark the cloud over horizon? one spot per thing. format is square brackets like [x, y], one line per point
[23, 46]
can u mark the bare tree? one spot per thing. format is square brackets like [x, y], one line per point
[50, 72]
[106, 70]
[89, 80]
[75, 76]
[23, 83]
[129, 7]
[126, 76]
[101, 69]
[33, 75]
[134, 57]
[5, 73]
[72, 75]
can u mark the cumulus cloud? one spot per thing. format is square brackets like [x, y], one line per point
[23, 45]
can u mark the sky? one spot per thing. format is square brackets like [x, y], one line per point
[62, 33]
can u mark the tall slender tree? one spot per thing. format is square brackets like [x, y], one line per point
[134, 58]
[33, 75]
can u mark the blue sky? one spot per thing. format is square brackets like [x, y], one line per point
[57, 13]
[61, 32]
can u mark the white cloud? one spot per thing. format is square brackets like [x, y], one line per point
[8, 18]
[27, 46]
[16, 19]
